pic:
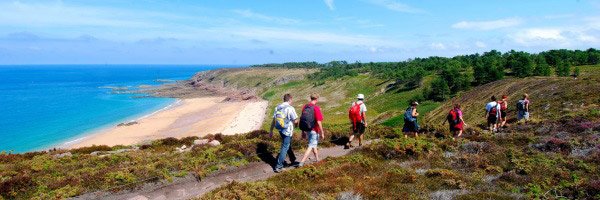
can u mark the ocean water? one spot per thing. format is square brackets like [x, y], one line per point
[46, 106]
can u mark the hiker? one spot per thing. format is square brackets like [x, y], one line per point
[284, 119]
[503, 108]
[492, 113]
[523, 108]
[411, 125]
[456, 121]
[311, 123]
[358, 120]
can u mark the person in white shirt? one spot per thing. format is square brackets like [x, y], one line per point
[359, 126]
[288, 113]
[492, 114]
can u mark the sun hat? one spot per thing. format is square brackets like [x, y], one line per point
[360, 96]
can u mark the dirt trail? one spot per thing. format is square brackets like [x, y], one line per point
[189, 187]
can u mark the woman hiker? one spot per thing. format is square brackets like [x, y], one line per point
[411, 125]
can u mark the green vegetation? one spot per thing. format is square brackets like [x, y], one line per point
[456, 71]
[556, 156]
[528, 161]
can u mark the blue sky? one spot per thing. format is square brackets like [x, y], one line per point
[266, 31]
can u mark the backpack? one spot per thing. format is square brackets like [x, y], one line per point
[281, 121]
[521, 105]
[307, 120]
[408, 115]
[453, 118]
[503, 106]
[494, 110]
[354, 114]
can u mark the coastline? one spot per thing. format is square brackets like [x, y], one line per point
[186, 117]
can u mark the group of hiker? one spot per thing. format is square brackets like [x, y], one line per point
[496, 114]
[310, 123]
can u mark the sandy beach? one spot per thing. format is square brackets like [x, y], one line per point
[188, 117]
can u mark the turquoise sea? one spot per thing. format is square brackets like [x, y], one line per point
[42, 106]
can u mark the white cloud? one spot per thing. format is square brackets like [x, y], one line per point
[535, 36]
[480, 44]
[317, 37]
[329, 4]
[397, 6]
[437, 46]
[253, 15]
[488, 25]
[557, 37]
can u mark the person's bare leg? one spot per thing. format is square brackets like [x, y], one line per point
[350, 139]
[360, 139]
[316, 152]
[306, 154]
[459, 133]
[416, 135]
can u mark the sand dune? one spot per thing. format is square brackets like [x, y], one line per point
[189, 117]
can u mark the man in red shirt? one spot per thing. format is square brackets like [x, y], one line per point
[317, 130]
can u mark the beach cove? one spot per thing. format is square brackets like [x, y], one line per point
[187, 117]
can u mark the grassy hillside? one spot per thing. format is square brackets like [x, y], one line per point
[552, 97]
[555, 157]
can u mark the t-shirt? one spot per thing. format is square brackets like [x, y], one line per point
[363, 107]
[525, 104]
[291, 116]
[318, 117]
[491, 105]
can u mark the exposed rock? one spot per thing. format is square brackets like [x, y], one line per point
[446, 194]
[473, 147]
[214, 143]
[201, 141]
[138, 197]
[128, 123]
[349, 196]
[67, 154]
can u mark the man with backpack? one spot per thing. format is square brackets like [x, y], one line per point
[311, 123]
[523, 108]
[284, 119]
[358, 119]
[492, 113]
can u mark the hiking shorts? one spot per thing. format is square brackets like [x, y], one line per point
[523, 115]
[313, 139]
[359, 129]
[503, 114]
[492, 119]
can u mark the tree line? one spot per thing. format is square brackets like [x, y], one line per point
[458, 73]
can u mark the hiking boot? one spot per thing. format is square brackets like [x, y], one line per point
[278, 170]
[296, 164]
[300, 164]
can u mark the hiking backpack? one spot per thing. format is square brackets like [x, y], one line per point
[307, 120]
[408, 115]
[503, 105]
[521, 105]
[494, 110]
[281, 118]
[453, 118]
[354, 114]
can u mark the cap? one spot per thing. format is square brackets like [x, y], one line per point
[360, 96]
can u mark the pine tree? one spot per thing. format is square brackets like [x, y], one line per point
[541, 68]
[439, 90]
[563, 68]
